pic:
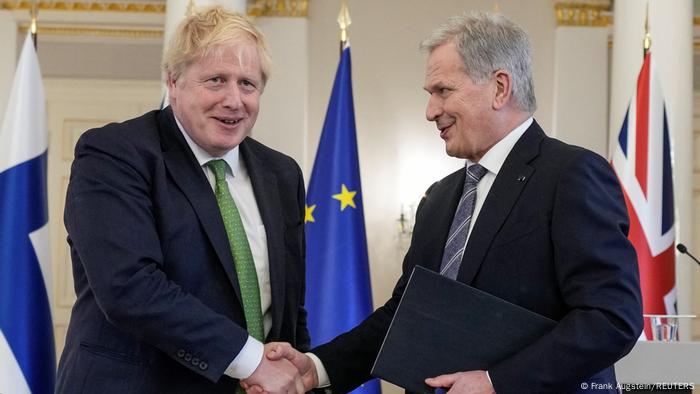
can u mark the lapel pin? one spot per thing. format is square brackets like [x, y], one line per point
[521, 178]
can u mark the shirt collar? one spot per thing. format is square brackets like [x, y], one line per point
[494, 158]
[232, 157]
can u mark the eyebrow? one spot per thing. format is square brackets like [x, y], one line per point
[435, 86]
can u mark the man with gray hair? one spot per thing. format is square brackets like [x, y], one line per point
[530, 219]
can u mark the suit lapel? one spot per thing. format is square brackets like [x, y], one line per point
[189, 177]
[267, 197]
[505, 191]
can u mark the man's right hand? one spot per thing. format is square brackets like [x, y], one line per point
[275, 376]
[306, 367]
[276, 352]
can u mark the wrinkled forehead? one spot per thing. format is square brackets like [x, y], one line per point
[442, 61]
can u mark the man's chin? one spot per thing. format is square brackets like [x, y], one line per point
[220, 150]
[451, 151]
[457, 154]
[231, 141]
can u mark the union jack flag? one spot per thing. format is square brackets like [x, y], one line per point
[642, 160]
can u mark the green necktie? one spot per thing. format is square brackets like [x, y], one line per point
[242, 256]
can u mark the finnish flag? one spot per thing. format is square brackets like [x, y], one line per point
[27, 353]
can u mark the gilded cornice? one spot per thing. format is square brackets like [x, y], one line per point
[289, 8]
[583, 14]
[589, 14]
[293, 8]
[94, 31]
[112, 6]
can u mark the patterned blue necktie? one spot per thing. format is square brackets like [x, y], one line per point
[456, 242]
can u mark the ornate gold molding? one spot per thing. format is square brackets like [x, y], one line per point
[113, 6]
[295, 8]
[93, 31]
[583, 14]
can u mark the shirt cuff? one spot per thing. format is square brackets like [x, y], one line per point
[247, 360]
[323, 379]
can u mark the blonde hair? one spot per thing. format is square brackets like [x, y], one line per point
[199, 34]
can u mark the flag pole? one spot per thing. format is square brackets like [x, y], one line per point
[32, 26]
[647, 36]
[344, 22]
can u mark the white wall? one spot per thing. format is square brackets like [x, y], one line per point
[580, 104]
[282, 122]
[8, 57]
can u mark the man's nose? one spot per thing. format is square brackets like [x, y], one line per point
[232, 98]
[434, 109]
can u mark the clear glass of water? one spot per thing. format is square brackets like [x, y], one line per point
[664, 328]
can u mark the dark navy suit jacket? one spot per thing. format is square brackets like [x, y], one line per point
[158, 305]
[551, 237]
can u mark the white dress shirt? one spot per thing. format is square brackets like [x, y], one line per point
[241, 189]
[493, 161]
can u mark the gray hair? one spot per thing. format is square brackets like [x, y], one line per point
[488, 42]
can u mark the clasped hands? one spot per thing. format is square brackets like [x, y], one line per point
[283, 369]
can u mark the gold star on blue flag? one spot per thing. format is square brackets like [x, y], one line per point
[346, 197]
[309, 217]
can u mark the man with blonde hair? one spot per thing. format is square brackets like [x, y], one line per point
[186, 235]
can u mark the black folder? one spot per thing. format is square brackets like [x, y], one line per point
[444, 326]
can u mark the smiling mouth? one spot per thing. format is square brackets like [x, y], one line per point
[229, 121]
[443, 131]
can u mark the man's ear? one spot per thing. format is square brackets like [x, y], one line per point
[504, 85]
[170, 83]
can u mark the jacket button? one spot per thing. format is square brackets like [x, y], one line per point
[181, 353]
[195, 361]
[203, 365]
[188, 357]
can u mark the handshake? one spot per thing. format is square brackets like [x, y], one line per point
[283, 369]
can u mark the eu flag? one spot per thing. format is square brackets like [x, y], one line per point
[338, 293]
